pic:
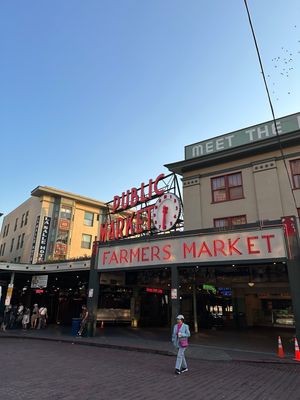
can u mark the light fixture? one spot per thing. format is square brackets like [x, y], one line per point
[250, 283]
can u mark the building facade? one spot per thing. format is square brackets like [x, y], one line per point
[251, 176]
[51, 225]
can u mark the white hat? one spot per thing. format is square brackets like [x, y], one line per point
[180, 316]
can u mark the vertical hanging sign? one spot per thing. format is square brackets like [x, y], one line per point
[44, 239]
[34, 238]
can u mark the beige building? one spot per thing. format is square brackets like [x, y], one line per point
[51, 225]
[251, 176]
[243, 183]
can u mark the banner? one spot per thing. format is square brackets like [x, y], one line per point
[44, 239]
[198, 249]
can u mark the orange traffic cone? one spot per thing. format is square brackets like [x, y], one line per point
[280, 352]
[102, 324]
[297, 352]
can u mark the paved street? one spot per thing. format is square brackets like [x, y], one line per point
[33, 369]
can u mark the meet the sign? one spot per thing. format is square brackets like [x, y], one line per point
[220, 247]
[241, 137]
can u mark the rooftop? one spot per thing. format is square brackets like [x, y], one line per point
[47, 190]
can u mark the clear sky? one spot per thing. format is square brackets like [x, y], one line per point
[96, 96]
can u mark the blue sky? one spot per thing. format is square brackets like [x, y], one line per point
[96, 96]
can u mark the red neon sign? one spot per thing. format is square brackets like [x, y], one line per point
[38, 291]
[154, 290]
[134, 223]
[135, 196]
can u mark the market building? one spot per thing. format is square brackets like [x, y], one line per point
[251, 176]
[226, 257]
[51, 225]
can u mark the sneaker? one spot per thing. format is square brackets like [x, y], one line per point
[177, 372]
[184, 370]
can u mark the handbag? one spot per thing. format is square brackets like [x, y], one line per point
[183, 342]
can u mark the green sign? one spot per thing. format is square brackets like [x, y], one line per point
[244, 136]
[211, 288]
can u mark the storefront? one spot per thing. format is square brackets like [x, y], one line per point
[145, 269]
[215, 279]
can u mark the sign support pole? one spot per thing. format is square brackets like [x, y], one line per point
[174, 293]
[195, 308]
[10, 289]
[93, 292]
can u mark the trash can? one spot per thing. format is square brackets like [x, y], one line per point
[75, 326]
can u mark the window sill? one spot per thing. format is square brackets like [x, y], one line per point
[226, 201]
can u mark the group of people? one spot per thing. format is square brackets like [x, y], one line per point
[19, 316]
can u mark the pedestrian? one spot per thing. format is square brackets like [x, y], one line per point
[20, 313]
[6, 318]
[35, 316]
[13, 317]
[42, 317]
[181, 333]
[84, 319]
[26, 318]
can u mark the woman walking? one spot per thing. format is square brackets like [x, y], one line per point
[181, 333]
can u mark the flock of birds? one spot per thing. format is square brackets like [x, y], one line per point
[284, 65]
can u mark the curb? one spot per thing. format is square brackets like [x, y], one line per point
[142, 349]
[85, 343]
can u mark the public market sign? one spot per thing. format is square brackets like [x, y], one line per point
[222, 247]
[161, 215]
[244, 136]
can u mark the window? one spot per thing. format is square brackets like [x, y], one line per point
[26, 217]
[6, 228]
[16, 224]
[12, 245]
[3, 249]
[295, 169]
[19, 241]
[88, 218]
[65, 212]
[227, 187]
[22, 220]
[229, 222]
[22, 240]
[86, 241]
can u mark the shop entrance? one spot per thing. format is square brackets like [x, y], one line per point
[63, 295]
[238, 297]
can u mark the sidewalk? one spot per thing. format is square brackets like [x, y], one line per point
[251, 346]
